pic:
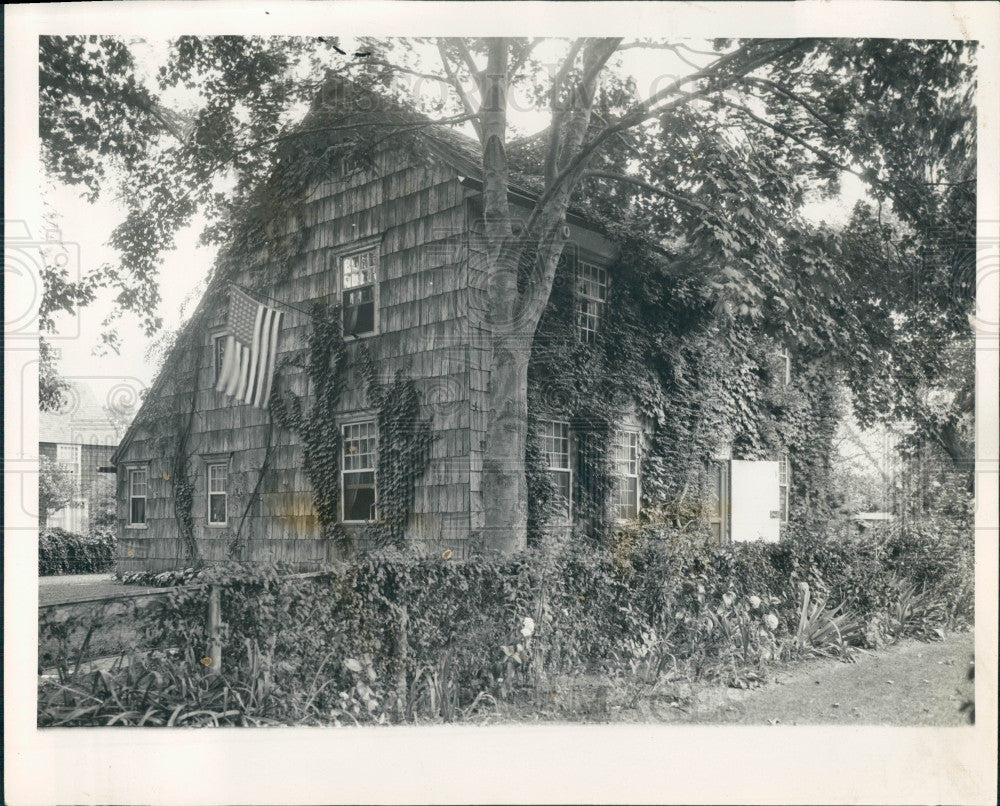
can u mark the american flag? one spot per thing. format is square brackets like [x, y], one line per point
[250, 351]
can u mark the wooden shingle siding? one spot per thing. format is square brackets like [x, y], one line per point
[417, 215]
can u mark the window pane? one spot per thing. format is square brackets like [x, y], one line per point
[359, 496]
[220, 354]
[359, 318]
[359, 446]
[137, 510]
[218, 476]
[555, 444]
[138, 482]
[217, 508]
[359, 269]
[561, 483]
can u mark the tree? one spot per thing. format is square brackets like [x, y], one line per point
[715, 166]
[56, 488]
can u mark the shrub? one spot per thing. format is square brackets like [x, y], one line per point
[62, 552]
[398, 638]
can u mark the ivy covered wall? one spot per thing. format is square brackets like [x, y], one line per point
[701, 384]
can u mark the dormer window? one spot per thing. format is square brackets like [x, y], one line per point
[358, 280]
[591, 296]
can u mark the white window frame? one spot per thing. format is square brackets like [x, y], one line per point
[341, 259]
[599, 280]
[344, 471]
[627, 433]
[784, 487]
[216, 364]
[130, 471]
[209, 492]
[554, 468]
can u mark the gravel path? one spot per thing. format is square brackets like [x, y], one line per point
[80, 587]
[912, 683]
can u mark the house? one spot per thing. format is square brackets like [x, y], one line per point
[81, 439]
[389, 240]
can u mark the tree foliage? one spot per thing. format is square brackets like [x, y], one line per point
[711, 173]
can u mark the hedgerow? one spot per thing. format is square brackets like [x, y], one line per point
[395, 638]
[63, 552]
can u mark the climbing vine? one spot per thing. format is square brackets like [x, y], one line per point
[699, 381]
[404, 437]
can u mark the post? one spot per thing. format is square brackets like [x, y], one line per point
[214, 631]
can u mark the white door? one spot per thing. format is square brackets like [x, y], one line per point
[755, 503]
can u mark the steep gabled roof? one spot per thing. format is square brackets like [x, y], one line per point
[81, 420]
[347, 114]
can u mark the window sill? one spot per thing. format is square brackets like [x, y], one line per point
[217, 525]
[136, 526]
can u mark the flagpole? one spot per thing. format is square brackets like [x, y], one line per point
[272, 299]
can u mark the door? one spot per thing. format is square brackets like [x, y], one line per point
[755, 502]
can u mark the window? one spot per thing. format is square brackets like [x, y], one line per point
[68, 457]
[783, 485]
[137, 481]
[358, 473]
[591, 294]
[358, 276]
[218, 353]
[626, 459]
[218, 485]
[555, 444]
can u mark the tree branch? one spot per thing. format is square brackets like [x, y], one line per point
[661, 191]
[463, 96]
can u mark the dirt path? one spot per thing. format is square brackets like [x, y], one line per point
[911, 683]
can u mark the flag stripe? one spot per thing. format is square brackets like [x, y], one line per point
[250, 359]
[272, 359]
[258, 325]
[260, 360]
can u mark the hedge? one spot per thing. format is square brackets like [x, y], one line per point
[63, 552]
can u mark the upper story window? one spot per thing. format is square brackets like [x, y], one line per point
[218, 493]
[218, 355]
[555, 444]
[591, 296]
[625, 455]
[359, 283]
[137, 486]
[358, 472]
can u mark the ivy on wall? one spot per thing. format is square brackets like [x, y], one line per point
[698, 380]
[404, 438]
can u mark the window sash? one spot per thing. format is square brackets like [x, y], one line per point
[591, 296]
[218, 353]
[359, 495]
[626, 459]
[218, 494]
[783, 487]
[138, 486]
[359, 269]
[556, 447]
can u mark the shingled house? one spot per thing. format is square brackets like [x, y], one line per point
[389, 240]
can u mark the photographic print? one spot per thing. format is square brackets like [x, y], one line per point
[505, 382]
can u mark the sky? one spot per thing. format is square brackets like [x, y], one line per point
[85, 227]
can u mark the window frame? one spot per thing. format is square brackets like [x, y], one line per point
[209, 492]
[627, 431]
[344, 472]
[130, 470]
[566, 517]
[340, 258]
[584, 334]
[218, 339]
[73, 466]
[784, 488]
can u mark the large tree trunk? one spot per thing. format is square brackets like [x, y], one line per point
[505, 492]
